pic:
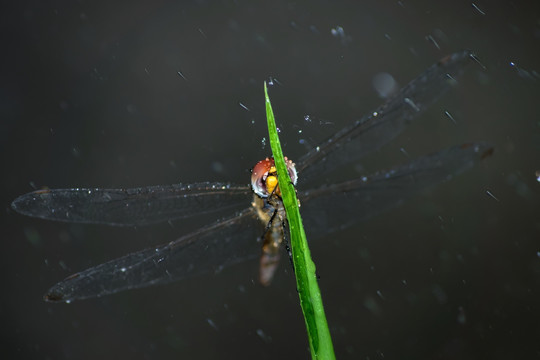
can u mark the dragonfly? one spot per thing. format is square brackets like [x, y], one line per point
[256, 219]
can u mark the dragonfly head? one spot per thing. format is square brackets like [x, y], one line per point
[264, 180]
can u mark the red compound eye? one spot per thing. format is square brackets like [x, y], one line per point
[261, 171]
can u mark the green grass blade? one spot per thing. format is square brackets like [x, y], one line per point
[320, 341]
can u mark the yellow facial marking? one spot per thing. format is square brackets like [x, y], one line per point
[271, 183]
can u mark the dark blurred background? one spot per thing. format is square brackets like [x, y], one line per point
[121, 94]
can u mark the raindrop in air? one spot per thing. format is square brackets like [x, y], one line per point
[384, 84]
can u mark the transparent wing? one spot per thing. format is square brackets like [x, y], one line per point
[338, 206]
[209, 249]
[129, 207]
[382, 125]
